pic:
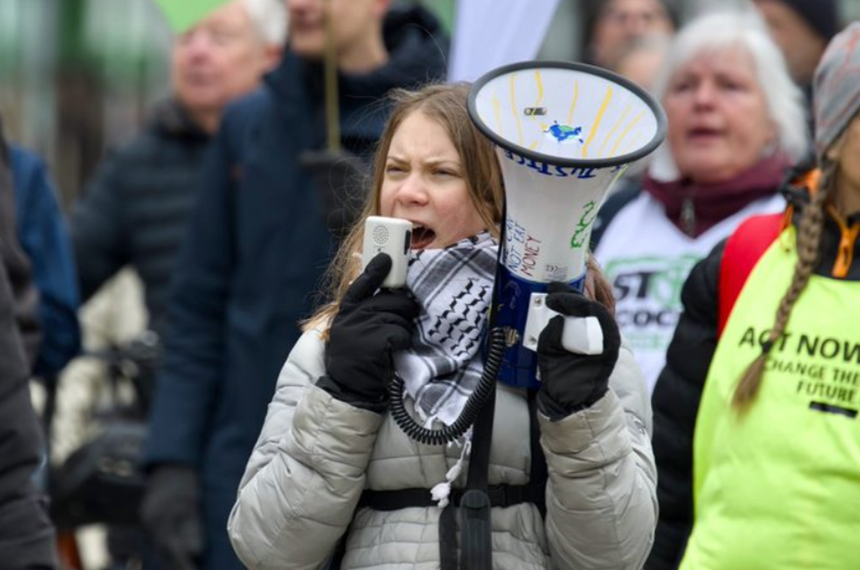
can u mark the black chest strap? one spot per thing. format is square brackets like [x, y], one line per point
[499, 496]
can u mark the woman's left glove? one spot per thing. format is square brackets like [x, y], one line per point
[363, 336]
[571, 382]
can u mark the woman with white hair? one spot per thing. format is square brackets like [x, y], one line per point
[736, 124]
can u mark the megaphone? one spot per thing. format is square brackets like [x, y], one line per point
[564, 134]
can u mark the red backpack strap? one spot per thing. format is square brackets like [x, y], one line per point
[743, 249]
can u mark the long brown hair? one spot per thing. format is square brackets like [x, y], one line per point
[808, 240]
[447, 105]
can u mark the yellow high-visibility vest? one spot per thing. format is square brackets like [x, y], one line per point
[778, 487]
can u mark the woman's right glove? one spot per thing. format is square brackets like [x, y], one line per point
[571, 382]
[363, 336]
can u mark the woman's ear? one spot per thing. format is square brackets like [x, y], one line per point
[834, 151]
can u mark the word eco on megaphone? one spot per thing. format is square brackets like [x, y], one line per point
[564, 134]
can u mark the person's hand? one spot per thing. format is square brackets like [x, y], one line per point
[363, 335]
[170, 513]
[571, 382]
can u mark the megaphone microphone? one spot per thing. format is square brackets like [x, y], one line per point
[564, 134]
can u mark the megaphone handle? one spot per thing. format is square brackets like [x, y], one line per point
[581, 335]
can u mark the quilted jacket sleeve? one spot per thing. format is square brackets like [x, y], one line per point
[306, 473]
[676, 403]
[601, 495]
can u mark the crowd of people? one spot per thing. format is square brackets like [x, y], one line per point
[721, 279]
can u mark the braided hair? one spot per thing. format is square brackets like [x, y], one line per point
[808, 241]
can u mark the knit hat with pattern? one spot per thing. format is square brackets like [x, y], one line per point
[836, 89]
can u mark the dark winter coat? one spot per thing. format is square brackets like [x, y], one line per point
[253, 257]
[18, 269]
[134, 211]
[26, 535]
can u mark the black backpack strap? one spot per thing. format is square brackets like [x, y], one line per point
[448, 538]
[538, 474]
[476, 547]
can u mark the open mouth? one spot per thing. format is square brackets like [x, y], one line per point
[421, 236]
[703, 134]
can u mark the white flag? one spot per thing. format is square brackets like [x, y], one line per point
[492, 33]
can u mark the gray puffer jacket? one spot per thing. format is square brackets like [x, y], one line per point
[317, 454]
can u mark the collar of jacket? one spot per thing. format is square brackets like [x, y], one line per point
[171, 118]
[695, 208]
[839, 240]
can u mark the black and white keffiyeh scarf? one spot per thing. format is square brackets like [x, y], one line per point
[454, 287]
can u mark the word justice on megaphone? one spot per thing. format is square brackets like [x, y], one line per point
[564, 134]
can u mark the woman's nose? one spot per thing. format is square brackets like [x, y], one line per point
[704, 94]
[412, 190]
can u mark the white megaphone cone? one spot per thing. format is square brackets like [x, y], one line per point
[564, 133]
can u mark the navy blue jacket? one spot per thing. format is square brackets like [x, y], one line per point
[44, 236]
[135, 208]
[252, 261]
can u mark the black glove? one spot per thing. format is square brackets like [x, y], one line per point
[365, 332]
[571, 382]
[170, 512]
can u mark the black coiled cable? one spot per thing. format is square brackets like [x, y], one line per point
[483, 391]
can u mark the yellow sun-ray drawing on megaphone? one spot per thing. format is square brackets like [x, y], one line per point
[537, 110]
[625, 132]
[597, 120]
[497, 113]
[612, 131]
[514, 109]
[573, 102]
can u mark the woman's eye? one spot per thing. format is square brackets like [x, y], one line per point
[393, 169]
[732, 86]
[682, 87]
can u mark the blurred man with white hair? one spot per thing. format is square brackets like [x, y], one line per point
[133, 211]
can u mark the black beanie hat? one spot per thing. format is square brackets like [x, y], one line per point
[821, 15]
